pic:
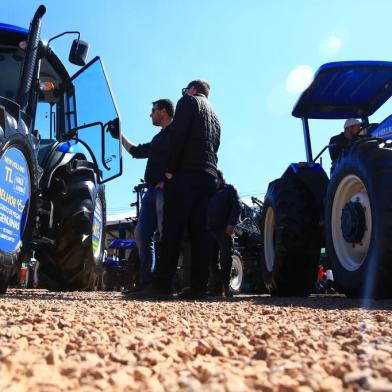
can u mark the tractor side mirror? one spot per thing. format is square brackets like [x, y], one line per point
[78, 53]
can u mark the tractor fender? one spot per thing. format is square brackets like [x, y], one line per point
[60, 154]
[313, 176]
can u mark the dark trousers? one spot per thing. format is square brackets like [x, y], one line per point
[186, 200]
[220, 251]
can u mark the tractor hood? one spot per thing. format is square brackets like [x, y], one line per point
[346, 89]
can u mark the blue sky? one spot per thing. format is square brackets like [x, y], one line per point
[256, 54]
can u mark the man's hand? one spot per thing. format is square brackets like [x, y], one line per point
[160, 185]
[230, 230]
[114, 128]
[168, 175]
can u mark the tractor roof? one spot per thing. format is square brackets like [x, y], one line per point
[51, 70]
[12, 28]
[346, 89]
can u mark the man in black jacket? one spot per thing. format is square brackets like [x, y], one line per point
[190, 182]
[224, 209]
[151, 211]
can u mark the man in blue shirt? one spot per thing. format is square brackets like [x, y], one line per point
[151, 211]
[224, 210]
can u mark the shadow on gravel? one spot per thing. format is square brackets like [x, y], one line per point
[327, 302]
[43, 295]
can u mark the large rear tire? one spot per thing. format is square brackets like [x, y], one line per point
[74, 259]
[359, 220]
[291, 239]
[18, 202]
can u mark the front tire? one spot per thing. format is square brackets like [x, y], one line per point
[74, 258]
[290, 239]
[237, 274]
[359, 220]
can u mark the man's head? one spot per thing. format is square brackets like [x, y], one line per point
[162, 112]
[351, 128]
[197, 86]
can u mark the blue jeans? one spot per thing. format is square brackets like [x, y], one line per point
[150, 219]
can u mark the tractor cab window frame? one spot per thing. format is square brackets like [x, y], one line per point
[46, 123]
[69, 108]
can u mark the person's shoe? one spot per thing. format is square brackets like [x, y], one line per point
[191, 293]
[138, 287]
[150, 291]
[228, 292]
[215, 293]
[133, 290]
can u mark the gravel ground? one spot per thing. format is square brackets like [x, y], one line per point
[103, 342]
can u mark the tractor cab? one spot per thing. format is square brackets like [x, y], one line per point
[60, 140]
[350, 214]
[342, 90]
[67, 114]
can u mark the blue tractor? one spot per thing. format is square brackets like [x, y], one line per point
[349, 214]
[59, 143]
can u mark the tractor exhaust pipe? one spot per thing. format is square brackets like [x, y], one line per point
[30, 59]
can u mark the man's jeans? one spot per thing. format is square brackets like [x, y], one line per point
[150, 219]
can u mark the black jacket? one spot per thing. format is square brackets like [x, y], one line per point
[224, 208]
[341, 143]
[194, 136]
[156, 151]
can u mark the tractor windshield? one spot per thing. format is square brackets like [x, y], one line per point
[91, 103]
[11, 61]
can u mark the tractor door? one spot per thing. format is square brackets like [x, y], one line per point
[90, 111]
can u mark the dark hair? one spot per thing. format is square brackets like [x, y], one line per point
[219, 174]
[166, 104]
[201, 86]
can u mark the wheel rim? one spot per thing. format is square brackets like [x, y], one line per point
[236, 274]
[269, 251]
[97, 228]
[351, 190]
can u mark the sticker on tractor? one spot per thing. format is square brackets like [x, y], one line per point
[15, 192]
[97, 228]
[384, 130]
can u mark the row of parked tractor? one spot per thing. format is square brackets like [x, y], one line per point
[119, 270]
[121, 266]
[56, 153]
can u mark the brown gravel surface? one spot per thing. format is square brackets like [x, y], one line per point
[103, 342]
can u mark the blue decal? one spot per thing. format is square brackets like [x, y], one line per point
[383, 130]
[67, 146]
[306, 165]
[97, 228]
[15, 193]
[122, 244]
[75, 147]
